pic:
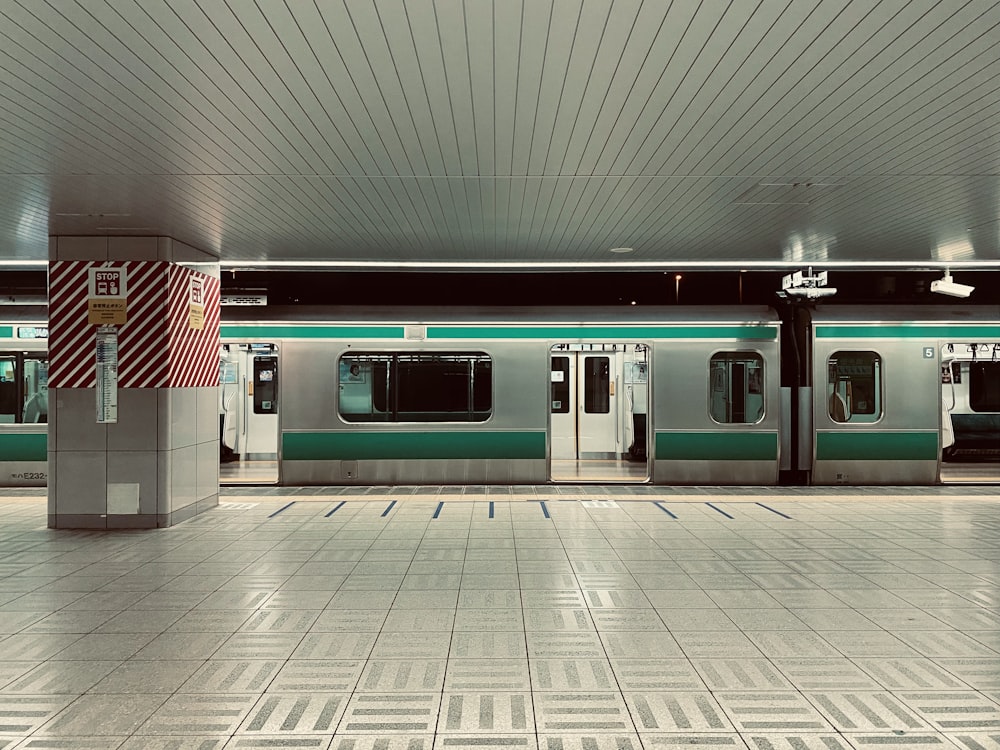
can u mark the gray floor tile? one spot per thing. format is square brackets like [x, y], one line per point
[411, 646]
[792, 643]
[103, 646]
[494, 675]
[916, 740]
[656, 674]
[954, 711]
[146, 677]
[581, 713]
[558, 620]
[391, 713]
[425, 599]
[339, 645]
[741, 674]
[677, 712]
[867, 711]
[403, 741]
[796, 741]
[866, 643]
[593, 741]
[486, 713]
[259, 646]
[268, 741]
[168, 646]
[230, 676]
[402, 676]
[835, 674]
[771, 711]
[61, 677]
[489, 619]
[22, 714]
[291, 714]
[494, 645]
[120, 715]
[572, 675]
[209, 714]
[317, 675]
[695, 644]
[483, 741]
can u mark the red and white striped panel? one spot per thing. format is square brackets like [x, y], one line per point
[194, 354]
[142, 341]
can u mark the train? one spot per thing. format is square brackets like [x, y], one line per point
[680, 395]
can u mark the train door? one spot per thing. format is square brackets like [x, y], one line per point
[970, 412]
[597, 420]
[248, 413]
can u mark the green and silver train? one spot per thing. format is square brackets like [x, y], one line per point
[676, 396]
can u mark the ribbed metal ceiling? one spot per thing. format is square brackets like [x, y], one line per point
[506, 130]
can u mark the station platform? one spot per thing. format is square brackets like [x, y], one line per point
[551, 617]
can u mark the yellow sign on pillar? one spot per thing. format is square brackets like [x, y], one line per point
[196, 305]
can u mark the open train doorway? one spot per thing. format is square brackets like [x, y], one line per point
[970, 412]
[598, 427]
[248, 413]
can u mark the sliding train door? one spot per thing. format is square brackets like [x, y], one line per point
[248, 413]
[970, 412]
[597, 420]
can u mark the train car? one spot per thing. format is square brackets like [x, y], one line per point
[680, 395]
[683, 395]
[904, 395]
[24, 390]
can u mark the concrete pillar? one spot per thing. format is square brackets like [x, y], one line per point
[159, 463]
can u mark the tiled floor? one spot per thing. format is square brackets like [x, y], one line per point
[373, 620]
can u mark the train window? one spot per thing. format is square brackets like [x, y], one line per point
[984, 386]
[24, 388]
[422, 387]
[597, 385]
[854, 386]
[736, 383]
[560, 385]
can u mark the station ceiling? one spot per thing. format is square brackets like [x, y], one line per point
[756, 133]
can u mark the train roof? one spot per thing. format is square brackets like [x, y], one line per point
[906, 314]
[421, 315]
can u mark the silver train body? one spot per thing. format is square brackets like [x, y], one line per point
[680, 396]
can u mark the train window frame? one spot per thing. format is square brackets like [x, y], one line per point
[390, 357]
[878, 391]
[762, 358]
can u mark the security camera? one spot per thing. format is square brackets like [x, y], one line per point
[949, 287]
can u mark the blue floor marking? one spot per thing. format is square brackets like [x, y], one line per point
[491, 509]
[719, 510]
[774, 511]
[386, 511]
[335, 509]
[281, 509]
[544, 509]
[437, 511]
[664, 509]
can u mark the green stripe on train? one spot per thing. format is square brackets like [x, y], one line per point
[360, 446]
[6, 332]
[304, 331]
[755, 333]
[922, 331]
[876, 446]
[24, 447]
[716, 446]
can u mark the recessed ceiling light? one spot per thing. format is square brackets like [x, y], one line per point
[621, 250]
[90, 215]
